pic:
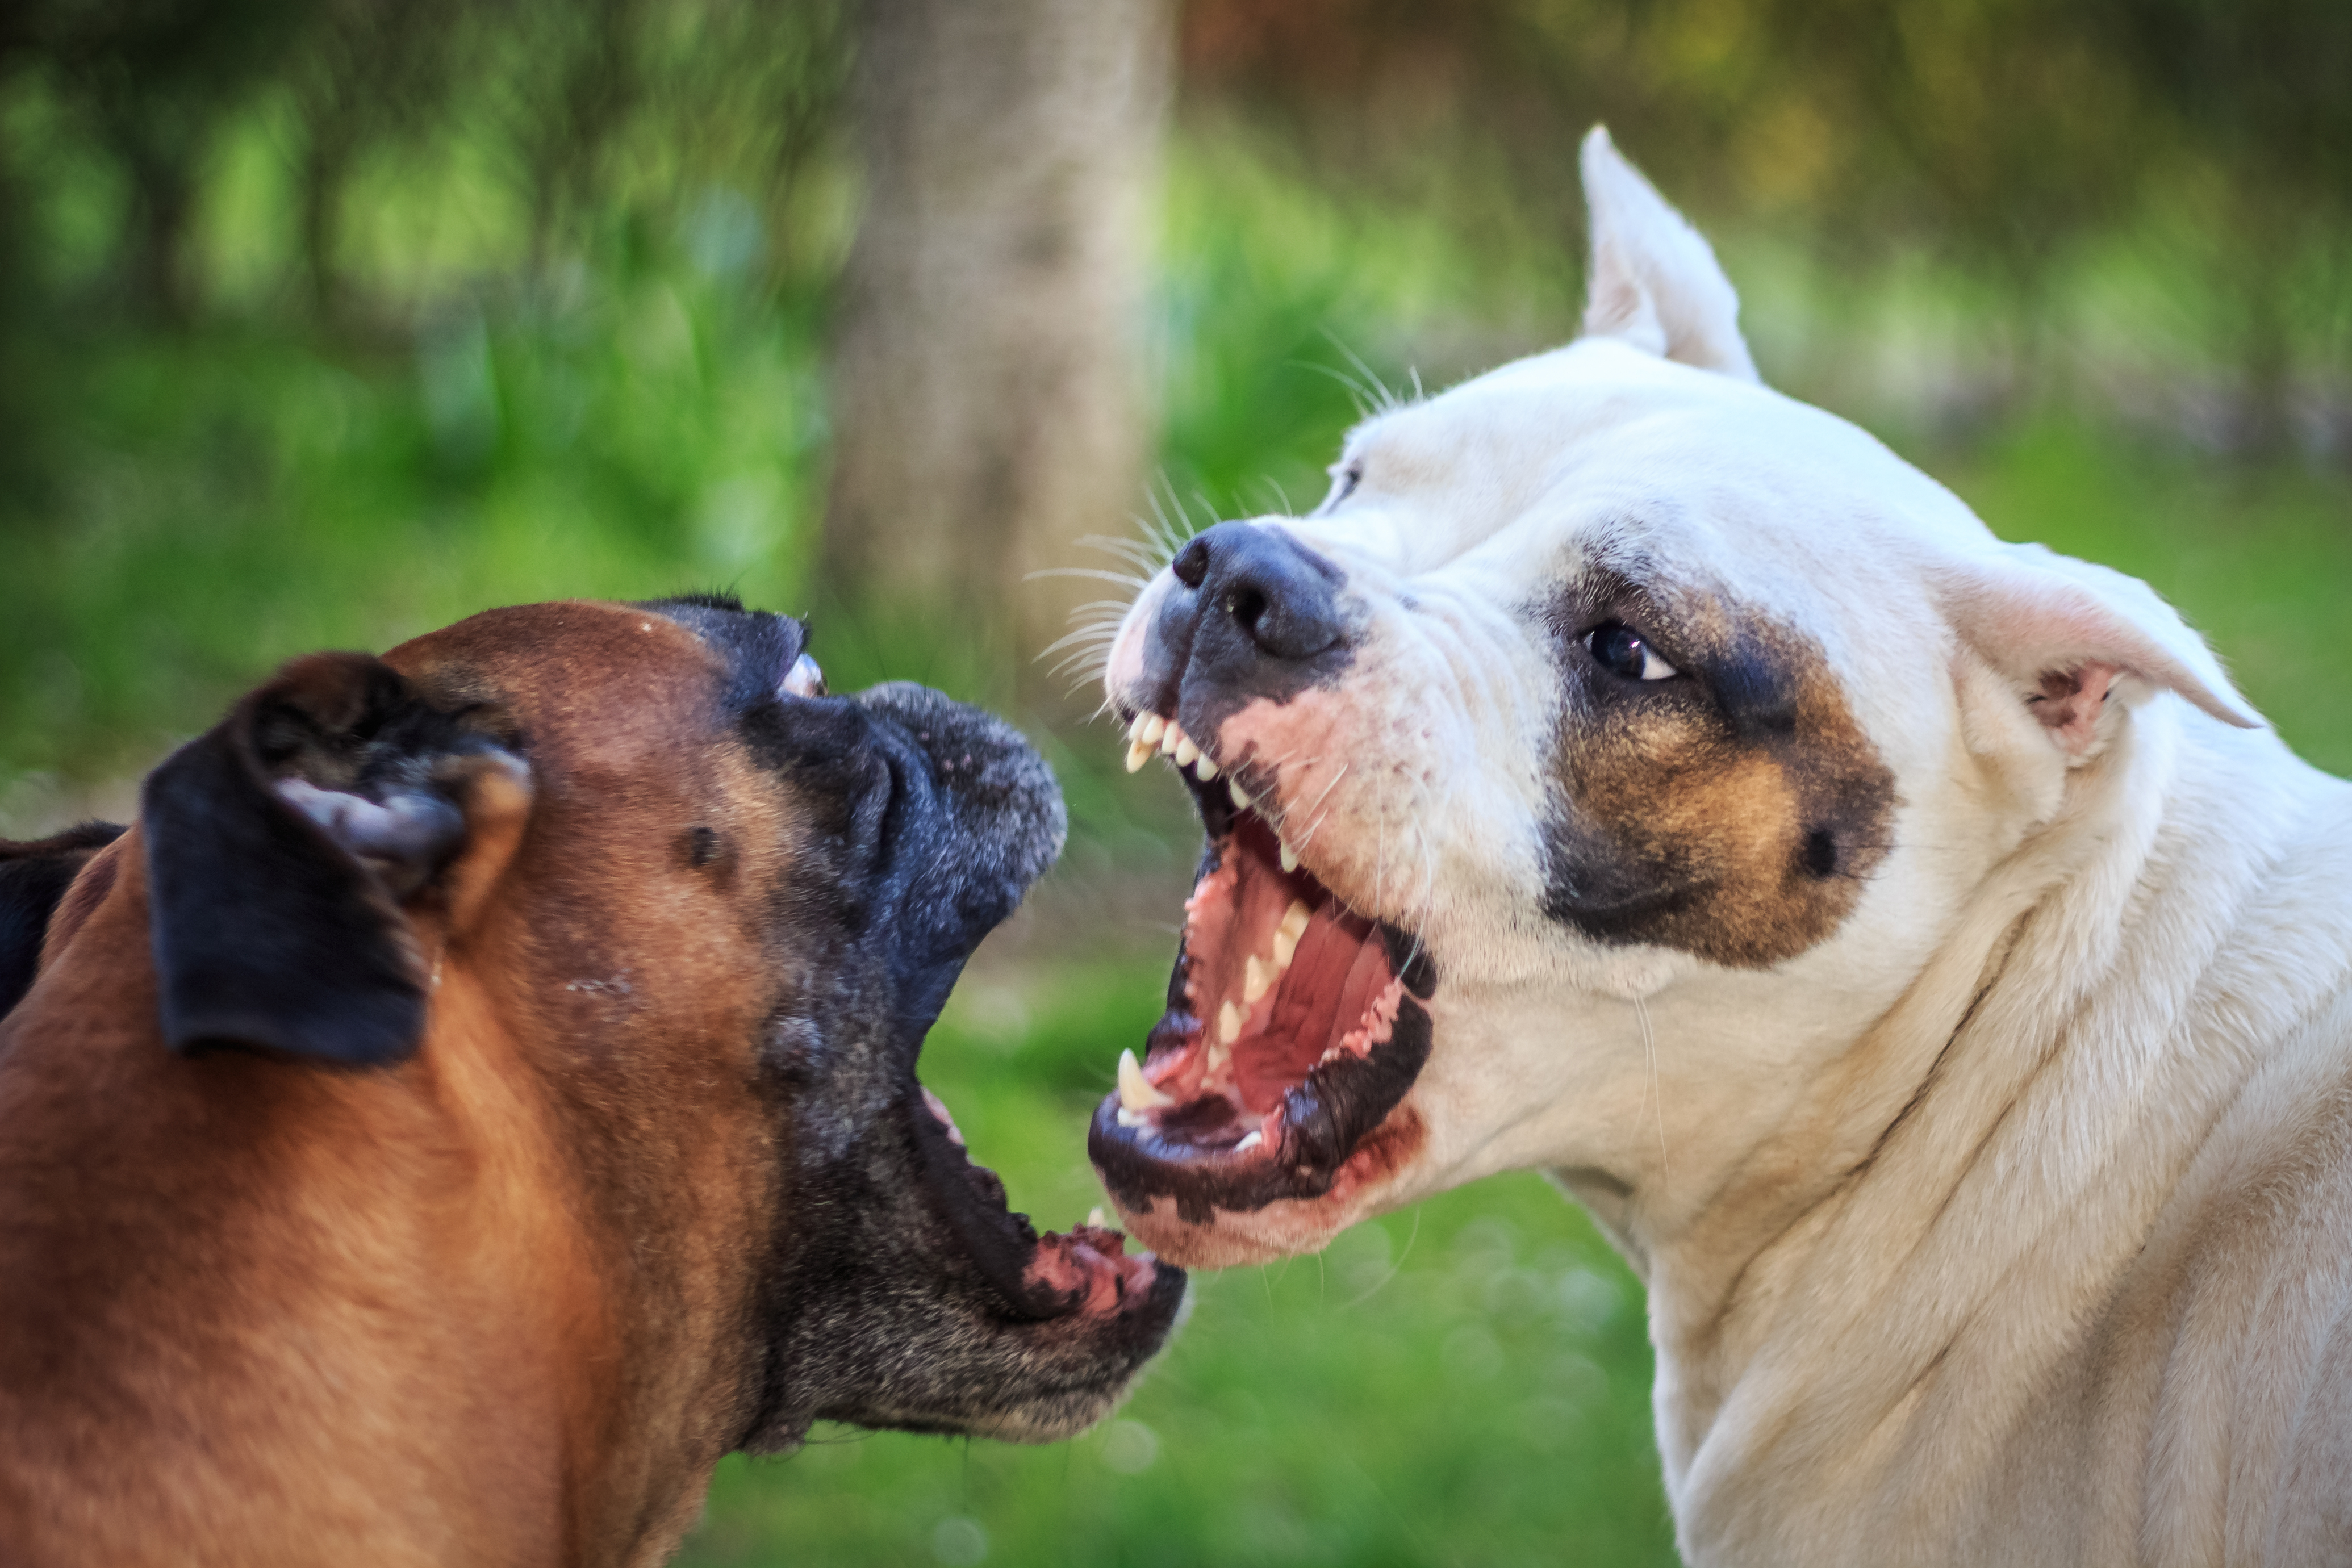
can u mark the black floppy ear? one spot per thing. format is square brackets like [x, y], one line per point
[34, 877]
[280, 847]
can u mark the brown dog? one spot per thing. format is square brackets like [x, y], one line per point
[480, 1093]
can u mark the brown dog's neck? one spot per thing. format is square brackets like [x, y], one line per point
[208, 1262]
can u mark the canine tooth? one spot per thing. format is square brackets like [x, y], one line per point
[1135, 1090]
[1138, 754]
[1171, 738]
[1128, 1118]
[1207, 770]
[1097, 1218]
[1247, 1144]
[1240, 795]
[1256, 976]
[1135, 726]
[1149, 728]
[1186, 753]
[1229, 1023]
[1289, 855]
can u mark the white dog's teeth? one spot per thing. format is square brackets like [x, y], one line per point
[1247, 1144]
[1186, 753]
[1257, 976]
[1136, 1092]
[1149, 728]
[1128, 1118]
[1229, 1023]
[1171, 738]
[1097, 1218]
[1207, 770]
[1138, 754]
[1289, 855]
[1286, 934]
[1240, 795]
[1135, 726]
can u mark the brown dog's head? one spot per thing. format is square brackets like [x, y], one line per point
[637, 858]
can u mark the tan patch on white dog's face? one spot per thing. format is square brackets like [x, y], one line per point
[1730, 810]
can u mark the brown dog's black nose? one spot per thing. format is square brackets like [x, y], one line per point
[1281, 597]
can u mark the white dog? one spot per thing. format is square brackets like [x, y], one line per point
[1907, 943]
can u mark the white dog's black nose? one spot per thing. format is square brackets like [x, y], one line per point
[1280, 597]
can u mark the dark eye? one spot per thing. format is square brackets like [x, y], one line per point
[804, 679]
[1345, 477]
[1622, 650]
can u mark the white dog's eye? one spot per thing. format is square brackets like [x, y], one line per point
[1345, 477]
[1622, 650]
[804, 679]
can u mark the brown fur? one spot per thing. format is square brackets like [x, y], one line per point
[510, 1275]
[1702, 802]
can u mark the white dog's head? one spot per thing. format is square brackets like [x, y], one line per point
[1610, 701]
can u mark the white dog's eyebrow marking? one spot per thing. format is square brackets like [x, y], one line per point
[1732, 812]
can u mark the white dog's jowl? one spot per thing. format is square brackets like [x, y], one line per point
[1907, 943]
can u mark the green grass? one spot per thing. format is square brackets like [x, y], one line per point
[1466, 1382]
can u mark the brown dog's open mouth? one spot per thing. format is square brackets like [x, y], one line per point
[1085, 1271]
[1294, 1027]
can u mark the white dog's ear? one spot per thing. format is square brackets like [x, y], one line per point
[2066, 630]
[1653, 281]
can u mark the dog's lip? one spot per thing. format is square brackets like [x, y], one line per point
[1084, 1271]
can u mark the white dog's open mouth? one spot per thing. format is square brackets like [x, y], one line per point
[1294, 1026]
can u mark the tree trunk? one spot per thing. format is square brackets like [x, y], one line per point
[987, 410]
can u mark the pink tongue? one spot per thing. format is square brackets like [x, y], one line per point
[1334, 963]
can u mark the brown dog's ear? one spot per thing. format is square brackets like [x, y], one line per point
[33, 881]
[282, 846]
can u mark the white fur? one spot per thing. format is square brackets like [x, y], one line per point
[2010, 1222]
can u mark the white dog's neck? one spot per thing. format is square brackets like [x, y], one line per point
[2036, 1115]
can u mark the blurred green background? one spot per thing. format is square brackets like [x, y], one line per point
[325, 322]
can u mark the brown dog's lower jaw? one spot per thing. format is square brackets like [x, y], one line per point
[1295, 1028]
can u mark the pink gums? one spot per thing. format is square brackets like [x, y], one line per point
[1091, 1263]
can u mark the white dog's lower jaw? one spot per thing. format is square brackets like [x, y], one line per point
[1272, 1105]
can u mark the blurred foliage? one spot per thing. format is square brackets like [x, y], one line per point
[2000, 134]
[327, 320]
